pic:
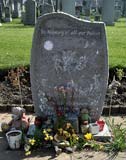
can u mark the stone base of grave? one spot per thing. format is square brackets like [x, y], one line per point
[0, 24]
[104, 135]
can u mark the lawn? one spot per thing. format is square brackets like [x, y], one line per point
[15, 44]
[116, 37]
[16, 41]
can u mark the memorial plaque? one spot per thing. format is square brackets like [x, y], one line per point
[69, 52]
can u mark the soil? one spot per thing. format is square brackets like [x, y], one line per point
[15, 88]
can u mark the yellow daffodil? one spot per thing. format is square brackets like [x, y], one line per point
[49, 130]
[28, 153]
[47, 135]
[46, 138]
[44, 131]
[32, 141]
[65, 132]
[88, 136]
[51, 138]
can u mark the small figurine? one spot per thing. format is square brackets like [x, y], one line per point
[19, 121]
[84, 115]
[114, 86]
[38, 122]
[84, 120]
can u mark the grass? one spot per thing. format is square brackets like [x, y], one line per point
[15, 44]
[116, 37]
[16, 41]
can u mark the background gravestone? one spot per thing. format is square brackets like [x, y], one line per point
[0, 13]
[68, 6]
[30, 12]
[46, 8]
[8, 14]
[73, 53]
[118, 7]
[108, 12]
[16, 12]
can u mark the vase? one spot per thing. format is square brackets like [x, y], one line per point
[14, 139]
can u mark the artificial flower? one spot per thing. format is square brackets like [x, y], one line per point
[88, 136]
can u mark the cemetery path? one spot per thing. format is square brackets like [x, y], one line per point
[6, 154]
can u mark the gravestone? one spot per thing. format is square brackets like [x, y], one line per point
[108, 12]
[124, 7]
[30, 12]
[46, 8]
[68, 6]
[7, 15]
[78, 7]
[69, 52]
[16, 12]
[87, 10]
[117, 13]
[0, 14]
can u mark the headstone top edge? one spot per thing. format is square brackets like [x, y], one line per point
[66, 15]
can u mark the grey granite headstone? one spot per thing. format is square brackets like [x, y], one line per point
[7, 15]
[117, 13]
[68, 6]
[30, 12]
[46, 8]
[0, 13]
[16, 13]
[124, 7]
[69, 52]
[108, 12]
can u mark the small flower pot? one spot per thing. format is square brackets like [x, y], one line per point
[14, 139]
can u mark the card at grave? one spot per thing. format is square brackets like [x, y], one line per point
[70, 54]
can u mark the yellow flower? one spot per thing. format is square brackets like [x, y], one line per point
[47, 135]
[51, 138]
[101, 147]
[65, 133]
[88, 136]
[32, 141]
[44, 131]
[28, 153]
[75, 136]
[49, 130]
[46, 138]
